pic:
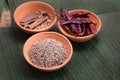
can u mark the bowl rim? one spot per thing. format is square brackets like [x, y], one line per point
[83, 37]
[39, 30]
[53, 68]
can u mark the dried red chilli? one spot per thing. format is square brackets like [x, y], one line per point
[79, 23]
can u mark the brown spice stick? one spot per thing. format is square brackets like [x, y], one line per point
[27, 22]
[29, 16]
[38, 22]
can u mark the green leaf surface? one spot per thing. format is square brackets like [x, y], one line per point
[97, 6]
[97, 59]
[1, 7]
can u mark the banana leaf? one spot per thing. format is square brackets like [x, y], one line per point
[97, 59]
[1, 7]
[97, 6]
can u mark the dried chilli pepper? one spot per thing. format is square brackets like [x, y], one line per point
[79, 23]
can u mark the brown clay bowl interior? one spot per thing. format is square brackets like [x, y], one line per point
[40, 36]
[34, 6]
[92, 16]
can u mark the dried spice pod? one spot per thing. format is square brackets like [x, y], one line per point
[87, 25]
[83, 30]
[87, 30]
[77, 23]
[93, 28]
[81, 14]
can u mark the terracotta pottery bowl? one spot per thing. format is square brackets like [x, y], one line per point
[52, 35]
[34, 6]
[92, 16]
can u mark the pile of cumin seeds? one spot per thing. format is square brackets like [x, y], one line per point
[47, 53]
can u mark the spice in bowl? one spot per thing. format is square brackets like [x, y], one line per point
[47, 53]
[38, 20]
[78, 23]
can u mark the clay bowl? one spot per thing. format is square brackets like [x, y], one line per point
[34, 6]
[92, 16]
[52, 35]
